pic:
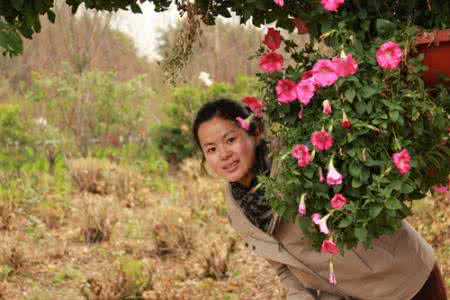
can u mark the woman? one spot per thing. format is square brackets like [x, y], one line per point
[401, 266]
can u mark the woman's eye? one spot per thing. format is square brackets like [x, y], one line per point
[231, 140]
[210, 150]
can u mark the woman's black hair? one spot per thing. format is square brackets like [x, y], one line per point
[226, 109]
[229, 110]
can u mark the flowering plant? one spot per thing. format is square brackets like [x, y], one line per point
[362, 136]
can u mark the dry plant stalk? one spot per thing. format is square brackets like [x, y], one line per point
[99, 215]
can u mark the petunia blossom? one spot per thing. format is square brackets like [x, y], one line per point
[300, 113]
[324, 72]
[302, 205]
[271, 62]
[329, 246]
[255, 105]
[326, 107]
[280, 3]
[272, 39]
[305, 91]
[323, 224]
[345, 66]
[331, 5]
[333, 176]
[301, 153]
[401, 160]
[322, 140]
[286, 91]
[321, 177]
[389, 55]
[244, 123]
[332, 275]
[301, 25]
[315, 218]
[346, 123]
[338, 201]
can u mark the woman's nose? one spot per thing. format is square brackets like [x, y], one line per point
[224, 153]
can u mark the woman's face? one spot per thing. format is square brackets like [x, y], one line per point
[229, 151]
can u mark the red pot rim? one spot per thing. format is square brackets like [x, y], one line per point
[434, 37]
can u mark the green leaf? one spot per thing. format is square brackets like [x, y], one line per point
[361, 234]
[360, 107]
[51, 16]
[385, 27]
[135, 8]
[345, 222]
[354, 169]
[356, 183]
[393, 204]
[394, 115]
[375, 210]
[368, 91]
[350, 95]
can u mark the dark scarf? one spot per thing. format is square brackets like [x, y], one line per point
[253, 202]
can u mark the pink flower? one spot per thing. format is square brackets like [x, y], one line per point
[255, 105]
[300, 113]
[302, 206]
[440, 188]
[301, 152]
[324, 72]
[345, 66]
[280, 3]
[316, 218]
[338, 201]
[305, 91]
[389, 55]
[322, 222]
[327, 107]
[321, 177]
[321, 140]
[345, 121]
[301, 26]
[333, 176]
[332, 276]
[286, 91]
[401, 161]
[272, 39]
[308, 75]
[271, 62]
[330, 247]
[244, 123]
[331, 5]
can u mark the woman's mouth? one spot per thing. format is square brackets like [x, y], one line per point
[231, 167]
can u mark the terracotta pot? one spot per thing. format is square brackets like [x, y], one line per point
[436, 49]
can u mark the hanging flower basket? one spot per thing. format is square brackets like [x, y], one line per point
[435, 47]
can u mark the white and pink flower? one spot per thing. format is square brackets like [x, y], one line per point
[326, 107]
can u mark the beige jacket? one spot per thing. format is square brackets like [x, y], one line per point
[395, 269]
